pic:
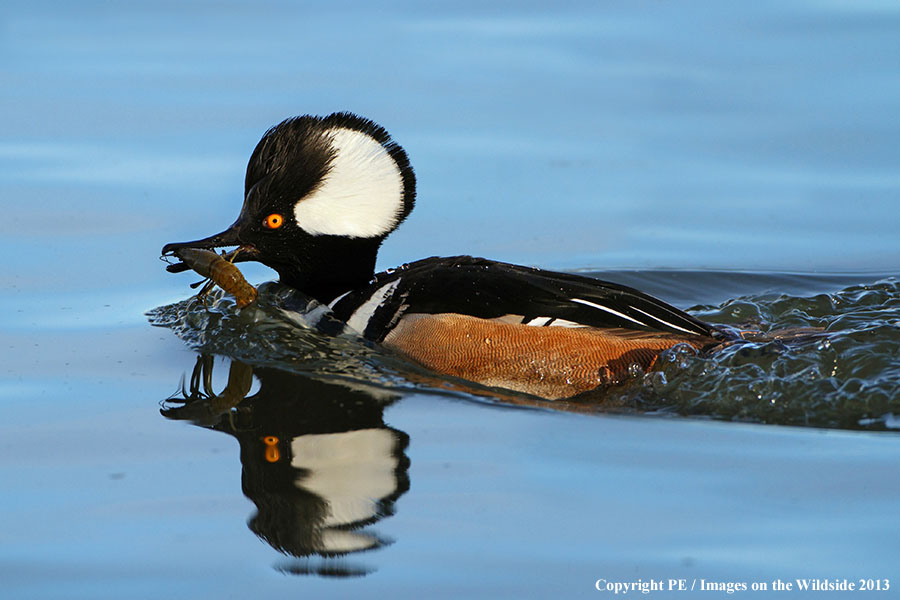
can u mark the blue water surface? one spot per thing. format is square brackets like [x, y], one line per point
[702, 137]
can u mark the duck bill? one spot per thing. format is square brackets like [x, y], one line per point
[229, 237]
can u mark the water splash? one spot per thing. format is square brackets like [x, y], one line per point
[848, 376]
[278, 331]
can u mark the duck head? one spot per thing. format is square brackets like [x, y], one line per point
[320, 196]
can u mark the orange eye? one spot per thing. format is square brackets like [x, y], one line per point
[273, 221]
[273, 454]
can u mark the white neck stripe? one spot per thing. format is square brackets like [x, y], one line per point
[360, 318]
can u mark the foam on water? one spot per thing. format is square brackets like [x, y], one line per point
[848, 376]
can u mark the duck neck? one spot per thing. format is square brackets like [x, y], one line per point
[327, 270]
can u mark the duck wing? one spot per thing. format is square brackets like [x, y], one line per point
[489, 289]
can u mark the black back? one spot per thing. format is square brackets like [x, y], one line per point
[490, 289]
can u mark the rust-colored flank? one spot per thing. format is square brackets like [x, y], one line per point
[551, 362]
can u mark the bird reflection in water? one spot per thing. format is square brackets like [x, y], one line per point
[317, 459]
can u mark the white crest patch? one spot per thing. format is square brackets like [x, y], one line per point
[362, 194]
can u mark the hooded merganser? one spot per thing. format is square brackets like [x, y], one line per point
[322, 194]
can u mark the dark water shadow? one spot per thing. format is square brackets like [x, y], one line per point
[317, 460]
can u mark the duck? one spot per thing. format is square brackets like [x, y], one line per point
[321, 195]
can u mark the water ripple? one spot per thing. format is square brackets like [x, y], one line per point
[845, 375]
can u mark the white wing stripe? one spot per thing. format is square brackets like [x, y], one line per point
[609, 310]
[552, 322]
[663, 322]
[564, 323]
[538, 321]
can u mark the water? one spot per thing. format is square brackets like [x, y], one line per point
[835, 365]
[722, 156]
